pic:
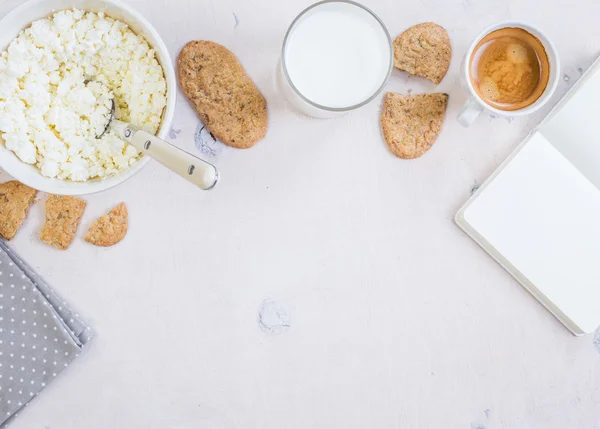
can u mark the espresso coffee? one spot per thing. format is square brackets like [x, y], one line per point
[509, 69]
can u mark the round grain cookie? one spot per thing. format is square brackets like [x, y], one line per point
[412, 123]
[228, 102]
[423, 50]
[109, 229]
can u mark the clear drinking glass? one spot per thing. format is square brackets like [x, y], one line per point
[337, 56]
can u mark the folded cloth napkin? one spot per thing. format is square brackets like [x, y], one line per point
[39, 334]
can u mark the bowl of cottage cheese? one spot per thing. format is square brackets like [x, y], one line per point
[57, 58]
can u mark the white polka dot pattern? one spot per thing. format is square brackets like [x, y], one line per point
[39, 334]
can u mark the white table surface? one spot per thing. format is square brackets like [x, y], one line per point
[397, 319]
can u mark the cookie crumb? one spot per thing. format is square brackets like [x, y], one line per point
[63, 215]
[109, 229]
[15, 200]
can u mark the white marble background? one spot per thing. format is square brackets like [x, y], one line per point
[390, 316]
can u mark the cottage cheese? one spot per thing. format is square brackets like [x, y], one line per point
[56, 82]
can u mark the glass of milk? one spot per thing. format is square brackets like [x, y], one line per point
[337, 56]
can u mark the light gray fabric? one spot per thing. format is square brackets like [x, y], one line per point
[39, 334]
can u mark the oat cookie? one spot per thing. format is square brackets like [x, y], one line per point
[228, 102]
[423, 50]
[412, 123]
[63, 214]
[15, 200]
[109, 229]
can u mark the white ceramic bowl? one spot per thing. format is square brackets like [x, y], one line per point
[20, 18]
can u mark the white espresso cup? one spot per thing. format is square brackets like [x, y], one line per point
[337, 56]
[475, 105]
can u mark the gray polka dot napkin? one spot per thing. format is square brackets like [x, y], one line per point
[39, 334]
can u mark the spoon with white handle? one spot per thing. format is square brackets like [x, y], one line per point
[199, 172]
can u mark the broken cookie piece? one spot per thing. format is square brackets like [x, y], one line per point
[412, 123]
[15, 200]
[109, 229]
[423, 50]
[63, 215]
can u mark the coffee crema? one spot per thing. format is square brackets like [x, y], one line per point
[509, 69]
